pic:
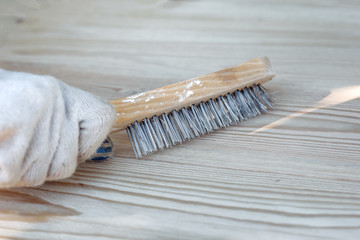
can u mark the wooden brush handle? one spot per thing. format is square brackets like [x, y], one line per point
[192, 91]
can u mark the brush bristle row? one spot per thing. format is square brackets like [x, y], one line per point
[159, 132]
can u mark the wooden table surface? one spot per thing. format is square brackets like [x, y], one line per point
[291, 174]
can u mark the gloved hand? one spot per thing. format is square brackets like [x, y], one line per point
[46, 128]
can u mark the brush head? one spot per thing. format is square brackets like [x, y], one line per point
[193, 91]
[170, 115]
[159, 132]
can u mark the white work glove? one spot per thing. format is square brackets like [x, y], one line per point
[46, 128]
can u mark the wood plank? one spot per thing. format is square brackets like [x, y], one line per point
[289, 174]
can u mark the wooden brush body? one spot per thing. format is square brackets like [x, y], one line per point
[193, 91]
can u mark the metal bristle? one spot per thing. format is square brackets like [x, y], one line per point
[159, 132]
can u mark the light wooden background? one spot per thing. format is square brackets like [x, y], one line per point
[291, 174]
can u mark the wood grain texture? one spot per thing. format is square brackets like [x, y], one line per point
[289, 174]
[193, 91]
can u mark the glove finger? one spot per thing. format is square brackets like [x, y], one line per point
[24, 153]
[35, 175]
[95, 119]
[96, 122]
